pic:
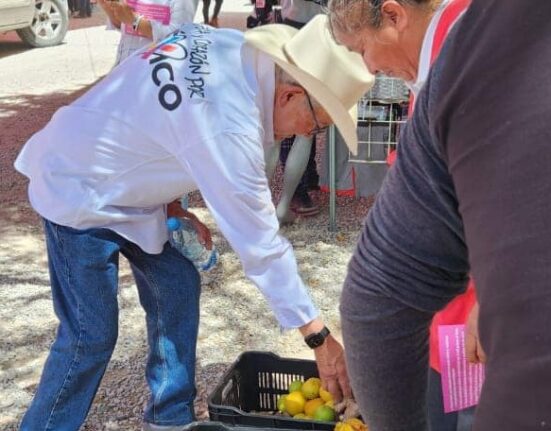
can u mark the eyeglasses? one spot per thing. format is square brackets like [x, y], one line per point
[317, 128]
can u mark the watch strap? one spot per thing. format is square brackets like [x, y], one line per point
[317, 338]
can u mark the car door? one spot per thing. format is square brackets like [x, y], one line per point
[15, 14]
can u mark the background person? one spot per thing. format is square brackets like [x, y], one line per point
[144, 140]
[142, 22]
[84, 9]
[213, 20]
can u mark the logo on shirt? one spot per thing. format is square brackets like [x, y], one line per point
[161, 57]
[177, 48]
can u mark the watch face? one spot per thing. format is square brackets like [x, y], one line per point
[315, 340]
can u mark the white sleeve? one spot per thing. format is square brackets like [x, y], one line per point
[181, 12]
[229, 172]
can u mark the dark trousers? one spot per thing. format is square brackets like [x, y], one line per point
[310, 178]
[85, 8]
[438, 419]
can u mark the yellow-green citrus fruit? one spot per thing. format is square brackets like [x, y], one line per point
[325, 395]
[356, 424]
[311, 388]
[341, 426]
[311, 406]
[324, 413]
[281, 404]
[300, 416]
[295, 385]
[294, 403]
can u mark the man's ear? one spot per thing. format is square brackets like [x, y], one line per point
[285, 93]
[394, 15]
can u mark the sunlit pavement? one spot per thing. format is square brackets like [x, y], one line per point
[87, 54]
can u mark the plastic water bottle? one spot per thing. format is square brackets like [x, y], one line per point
[183, 237]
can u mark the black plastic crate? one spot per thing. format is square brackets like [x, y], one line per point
[254, 383]
[218, 426]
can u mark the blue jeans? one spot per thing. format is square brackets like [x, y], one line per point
[438, 420]
[83, 268]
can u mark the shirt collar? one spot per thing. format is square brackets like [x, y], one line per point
[260, 69]
[426, 51]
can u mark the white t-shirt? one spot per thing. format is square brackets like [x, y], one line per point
[178, 12]
[300, 10]
[191, 113]
[426, 51]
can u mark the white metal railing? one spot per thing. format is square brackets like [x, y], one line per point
[381, 114]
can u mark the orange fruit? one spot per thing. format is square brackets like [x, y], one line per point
[311, 388]
[311, 406]
[325, 395]
[294, 403]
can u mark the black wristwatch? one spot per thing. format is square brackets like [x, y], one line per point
[317, 338]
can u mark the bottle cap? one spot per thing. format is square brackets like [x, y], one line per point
[172, 223]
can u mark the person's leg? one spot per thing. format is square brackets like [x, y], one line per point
[295, 163]
[311, 176]
[83, 271]
[169, 289]
[206, 7]
[286, 145]
[81, 8]
[271, 157]
[438, 420]
[217, 7]
[465, 419]
[377, 330]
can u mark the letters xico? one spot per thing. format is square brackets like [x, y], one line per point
[173, 49]
[170, 96]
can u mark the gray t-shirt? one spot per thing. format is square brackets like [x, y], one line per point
[300, 10]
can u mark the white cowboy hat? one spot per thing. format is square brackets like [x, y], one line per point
[336, 77]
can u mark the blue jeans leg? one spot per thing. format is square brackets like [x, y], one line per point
[83, 272]
[438, 420]
[169, 289]
[84, 278]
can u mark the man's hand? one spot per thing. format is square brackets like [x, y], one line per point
[331, 363]
[174, 209]
[474, 351]
[332, 369]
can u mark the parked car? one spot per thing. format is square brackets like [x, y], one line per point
[39, 23]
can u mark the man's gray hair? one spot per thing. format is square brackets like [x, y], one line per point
[282, 77]
[349, 16]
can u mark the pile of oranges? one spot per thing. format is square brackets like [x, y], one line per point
[307, 400]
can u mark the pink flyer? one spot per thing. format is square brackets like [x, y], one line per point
[461, 380]
[154, 12]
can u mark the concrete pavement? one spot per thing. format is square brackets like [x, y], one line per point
[86, 55]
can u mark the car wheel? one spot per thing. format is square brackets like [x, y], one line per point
[49, 25]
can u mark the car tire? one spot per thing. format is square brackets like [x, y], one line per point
[49, 25]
